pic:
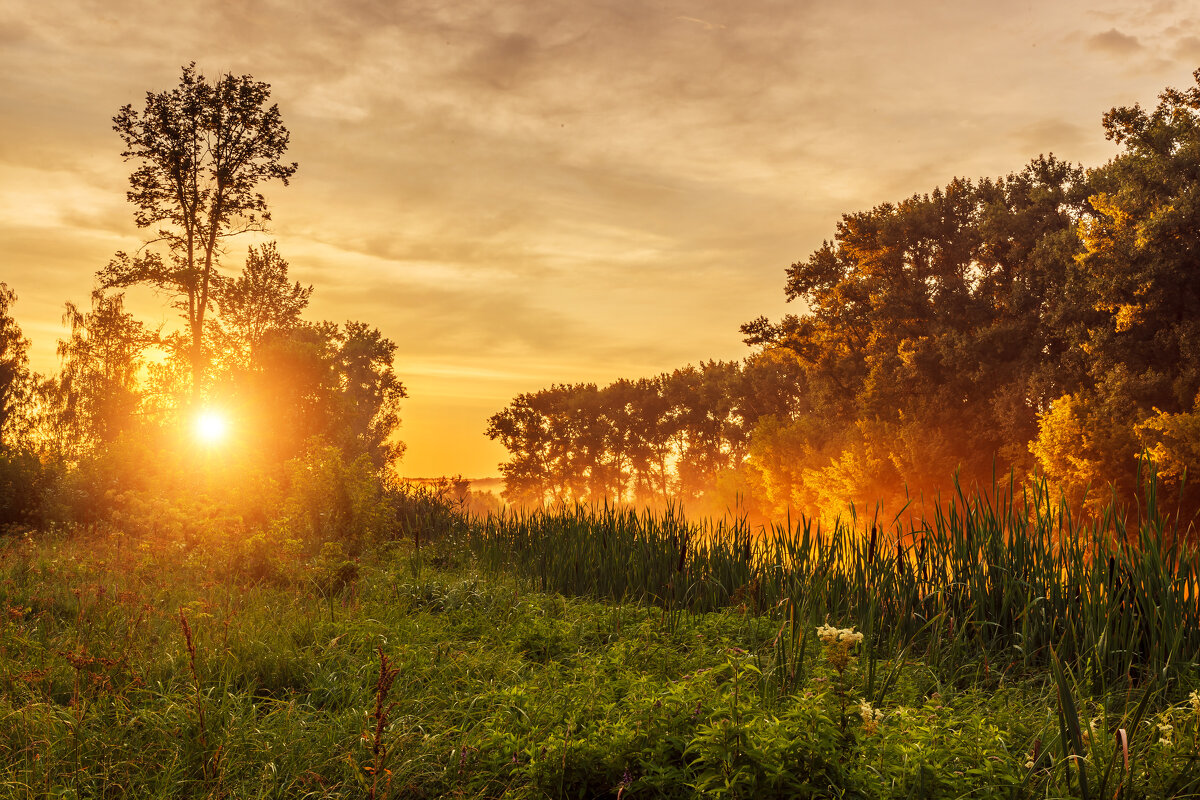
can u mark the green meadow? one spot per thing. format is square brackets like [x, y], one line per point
[1003, 650]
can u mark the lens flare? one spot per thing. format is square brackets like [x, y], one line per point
[211, 427]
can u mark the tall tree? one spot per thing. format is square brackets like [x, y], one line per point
[1142, 251]
[320, 381]
[525, 430]
[1140, 283]
[937, 330]
[101, 361]
[258, 302]
[14, 370]
[203, 149]
[370, 393]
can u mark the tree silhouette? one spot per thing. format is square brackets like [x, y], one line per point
[259, 301]
[202, 149]
[95, 395]
[14, 372]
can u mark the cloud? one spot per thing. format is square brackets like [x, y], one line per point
[708, 26]
[502, 62]
[1187, 48]
[1052, 135]
[1114, 42]
[560, 190]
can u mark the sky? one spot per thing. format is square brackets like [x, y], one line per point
[527, 193]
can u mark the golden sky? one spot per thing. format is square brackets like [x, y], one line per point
[525, 193]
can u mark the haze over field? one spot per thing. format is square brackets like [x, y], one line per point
[523, 194]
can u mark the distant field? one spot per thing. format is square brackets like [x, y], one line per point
[493, 485]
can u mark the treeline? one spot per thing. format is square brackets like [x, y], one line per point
[281, 379]
[115, 426]
[651, 441]
[312, 407]
[1047, 322]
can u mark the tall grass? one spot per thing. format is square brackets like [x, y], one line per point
[1002, 577]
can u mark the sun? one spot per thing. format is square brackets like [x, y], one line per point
[211, 426]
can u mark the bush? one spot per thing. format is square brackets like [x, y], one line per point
[23, 486]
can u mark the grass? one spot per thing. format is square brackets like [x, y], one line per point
[992, 581]
[608, 654]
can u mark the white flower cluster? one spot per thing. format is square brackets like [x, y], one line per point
[870, 715]
[846, 637]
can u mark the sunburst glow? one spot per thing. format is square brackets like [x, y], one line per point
[211, 426]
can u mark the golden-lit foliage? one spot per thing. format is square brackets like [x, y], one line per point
[1047, 321]
[1174, 446]
[14, 373]
[201, 427]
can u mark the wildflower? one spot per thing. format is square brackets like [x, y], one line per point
[626, 782]
[838, 644]
[845, 637]
[1194, 699]
[1164, 733]
[871, 716]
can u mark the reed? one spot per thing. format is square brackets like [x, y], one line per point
[993, 579]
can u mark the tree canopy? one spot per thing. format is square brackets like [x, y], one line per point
[312, 406]
[202, 149]
[1046, 323]
[14, 371]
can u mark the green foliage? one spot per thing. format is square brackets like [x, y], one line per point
[232, 510]
[1004, 576]
[330, 499]
[125, 665]
[257, 303]
[15, 380]
[24, 484]
[95, 396]
[314, 380]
